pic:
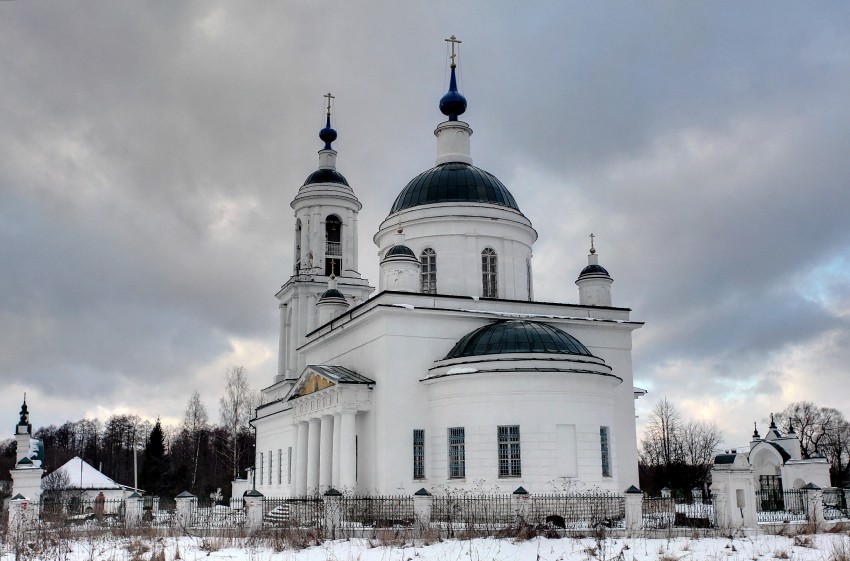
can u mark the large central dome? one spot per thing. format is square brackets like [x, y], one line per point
[454, 182]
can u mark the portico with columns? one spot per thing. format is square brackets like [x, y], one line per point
[323, 408]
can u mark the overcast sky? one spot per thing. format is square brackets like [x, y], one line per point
[149, 152]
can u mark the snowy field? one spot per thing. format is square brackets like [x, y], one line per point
[822, 547]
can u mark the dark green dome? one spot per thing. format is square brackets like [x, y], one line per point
[454, 182]
[517, 336]
[398, 250]
[594, 270]
[332, 293]
[325, 175]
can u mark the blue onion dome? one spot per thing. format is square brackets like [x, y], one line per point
[332, 293]
[327, 134]
[326, 175]
[399, 251]
[453, 103]
[594, 270]
[454, 182]
[517, 336]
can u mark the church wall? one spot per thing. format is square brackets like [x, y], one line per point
[459, 233]
[538, 403]
[396, 346]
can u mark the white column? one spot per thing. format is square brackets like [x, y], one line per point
[347, 452]
[326, 455]
[335, 461]
[312, 313]
[354, 251]
[301, 459]
[313, 443]
[281, 353]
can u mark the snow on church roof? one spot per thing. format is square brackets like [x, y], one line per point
[82, 475]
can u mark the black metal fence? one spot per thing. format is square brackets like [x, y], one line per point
[479, 513]
[836, 504]
[773, 505]
[304, 512]
[375, 512]
[578, 511]
[664, 513]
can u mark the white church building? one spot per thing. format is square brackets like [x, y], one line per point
[451, 376]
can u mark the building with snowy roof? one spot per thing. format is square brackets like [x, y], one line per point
[452, 375]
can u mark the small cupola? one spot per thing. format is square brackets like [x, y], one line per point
[399, 267]
[331, 303]
[594, 282]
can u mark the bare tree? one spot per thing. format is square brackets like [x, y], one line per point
[677, 452]
[195, 425]
[822, 431]
[661, 443]
[236, 409]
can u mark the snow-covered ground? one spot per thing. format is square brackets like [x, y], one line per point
[823, 547]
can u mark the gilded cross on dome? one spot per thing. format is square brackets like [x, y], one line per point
[453, 40]
[592, 249]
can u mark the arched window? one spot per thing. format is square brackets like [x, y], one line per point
[297, 245]
[333, 245]
[428, 274]
[489, 275]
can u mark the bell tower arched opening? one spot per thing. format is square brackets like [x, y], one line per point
[333, 245]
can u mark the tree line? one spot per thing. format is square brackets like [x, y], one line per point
[678, 453]
[196, 456]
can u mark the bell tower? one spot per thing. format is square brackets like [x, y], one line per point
[325, 245]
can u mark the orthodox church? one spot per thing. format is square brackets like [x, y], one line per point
[451, 376]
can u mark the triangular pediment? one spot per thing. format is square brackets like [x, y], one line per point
[309, 382]
[316, 378]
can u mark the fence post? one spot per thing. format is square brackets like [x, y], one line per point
[814, 505]
[422, 503]
[333, 512]
[184, 508]
[22, 513]
[133, 506]
[521, 502]
[634, 508]
[253, 505]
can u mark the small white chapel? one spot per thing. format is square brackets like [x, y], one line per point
[451, 375]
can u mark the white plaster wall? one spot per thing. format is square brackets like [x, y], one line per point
[396, 346]
[458, 233]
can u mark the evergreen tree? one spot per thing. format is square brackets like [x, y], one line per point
[154, 462]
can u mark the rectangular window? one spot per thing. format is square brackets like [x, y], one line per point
[289, 466]
[260, 466]
[271, 461]
[457, 453]
[279, 466]
[418, 454]
[510, 464]
[606, 460]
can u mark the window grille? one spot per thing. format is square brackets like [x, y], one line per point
[457, 453]
[428, 274]
[510, 464]
[606, 460]
[418, 454]
[489, 275]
